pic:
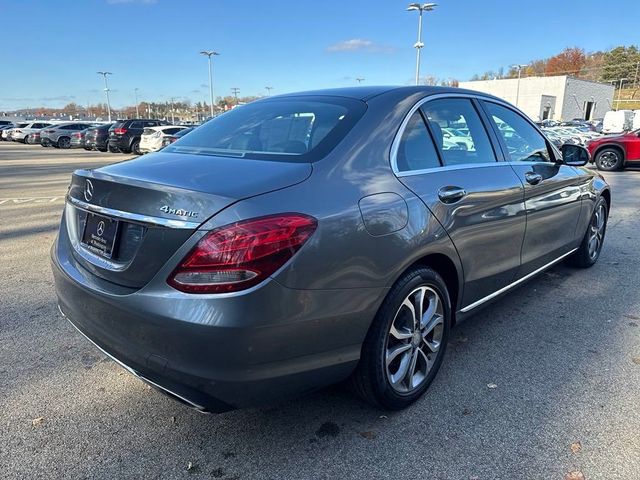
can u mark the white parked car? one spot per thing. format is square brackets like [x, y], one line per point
[151, 139]
[7, 133]
[456, 136]
[21, 134]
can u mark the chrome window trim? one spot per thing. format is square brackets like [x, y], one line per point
[395, 145]
[134, 217]
[463, 166]
[517, 282]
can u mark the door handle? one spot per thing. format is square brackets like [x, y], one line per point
[533, 178]
[451, 194]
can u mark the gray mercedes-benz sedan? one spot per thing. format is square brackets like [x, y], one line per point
[309, 238]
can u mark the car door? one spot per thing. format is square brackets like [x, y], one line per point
[552, 191]
[478, 199]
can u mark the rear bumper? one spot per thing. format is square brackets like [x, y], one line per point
[121, 143]
[219, 352]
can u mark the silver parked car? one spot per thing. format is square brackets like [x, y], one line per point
[304, 239]
[59, 135]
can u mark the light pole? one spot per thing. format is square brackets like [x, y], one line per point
[135, 92]
[268, 90]
[209, 54]
[235, 91]
[106, 91]
[359, 80]
[519, 67]
[173, 118]
[619, 92]
[420, 8]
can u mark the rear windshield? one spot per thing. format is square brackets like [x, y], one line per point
[290, 129]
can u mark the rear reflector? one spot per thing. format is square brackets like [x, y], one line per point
[243, 254]
[119, 131]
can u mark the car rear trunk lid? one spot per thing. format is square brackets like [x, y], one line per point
[159, 200]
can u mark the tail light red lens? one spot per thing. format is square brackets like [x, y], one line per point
[119, 131]
[238, 256]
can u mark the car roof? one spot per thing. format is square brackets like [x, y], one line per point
[366, 93]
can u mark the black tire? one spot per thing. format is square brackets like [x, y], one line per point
[371, 381]
[102, 150]
[585, 257]
[26, 139]
[88, 148]
[64, 142]
[609, 159]
[135, 147]
[113, 149]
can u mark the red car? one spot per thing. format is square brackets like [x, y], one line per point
[614, 152]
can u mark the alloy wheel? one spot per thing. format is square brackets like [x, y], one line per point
[414, 339]
[596, 231]
[609, 159]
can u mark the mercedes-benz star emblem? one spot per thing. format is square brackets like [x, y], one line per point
[100, 229]
[88, 190]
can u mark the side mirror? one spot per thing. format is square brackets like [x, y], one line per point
[575, 155]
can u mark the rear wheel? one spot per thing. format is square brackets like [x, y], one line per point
[26, 139]
[406, 343]
[135, 147]
[64, 142]
[609, 159]
[112, 149]
[591, 246]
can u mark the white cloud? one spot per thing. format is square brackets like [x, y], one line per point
[359, 44]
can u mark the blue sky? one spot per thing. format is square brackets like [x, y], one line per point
[57, 46]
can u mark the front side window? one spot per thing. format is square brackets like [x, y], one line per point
[294, 129]
[416, 150]
[524, 143]
[458, 131]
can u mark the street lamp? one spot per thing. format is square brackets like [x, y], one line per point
[420, 8]
[268, 89]
[209, 54]
[519, 67]
[106, 91]
[235, 91]
[620, 91]
[135, 91]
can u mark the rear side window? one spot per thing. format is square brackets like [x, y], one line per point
[292, 129]
[466, 138]
[524, 143]
[416, 150]
[137, 125]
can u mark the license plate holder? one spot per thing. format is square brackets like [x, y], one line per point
[100, 234]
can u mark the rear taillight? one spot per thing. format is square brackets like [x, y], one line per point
[77, 135]
[119, 131]
[243, 254]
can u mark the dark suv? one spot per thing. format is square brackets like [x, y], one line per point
[124, 135]
[97, 138]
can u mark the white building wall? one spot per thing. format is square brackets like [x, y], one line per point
[579, 91]
[557, 91]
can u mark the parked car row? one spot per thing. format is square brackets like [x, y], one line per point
[135, 136]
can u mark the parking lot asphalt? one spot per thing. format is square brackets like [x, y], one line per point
[561, 355]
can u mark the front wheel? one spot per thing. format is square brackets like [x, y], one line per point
[135, 148]
[591, 246]
[406, 343]
[609, 160]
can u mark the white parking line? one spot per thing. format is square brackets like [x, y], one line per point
[18, 201]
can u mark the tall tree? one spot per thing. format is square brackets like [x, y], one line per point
[570, 61]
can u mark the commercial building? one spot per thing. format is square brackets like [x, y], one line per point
[557, 98]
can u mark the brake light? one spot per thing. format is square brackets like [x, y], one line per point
[119, 131]
[243, 254]
[77, 135]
